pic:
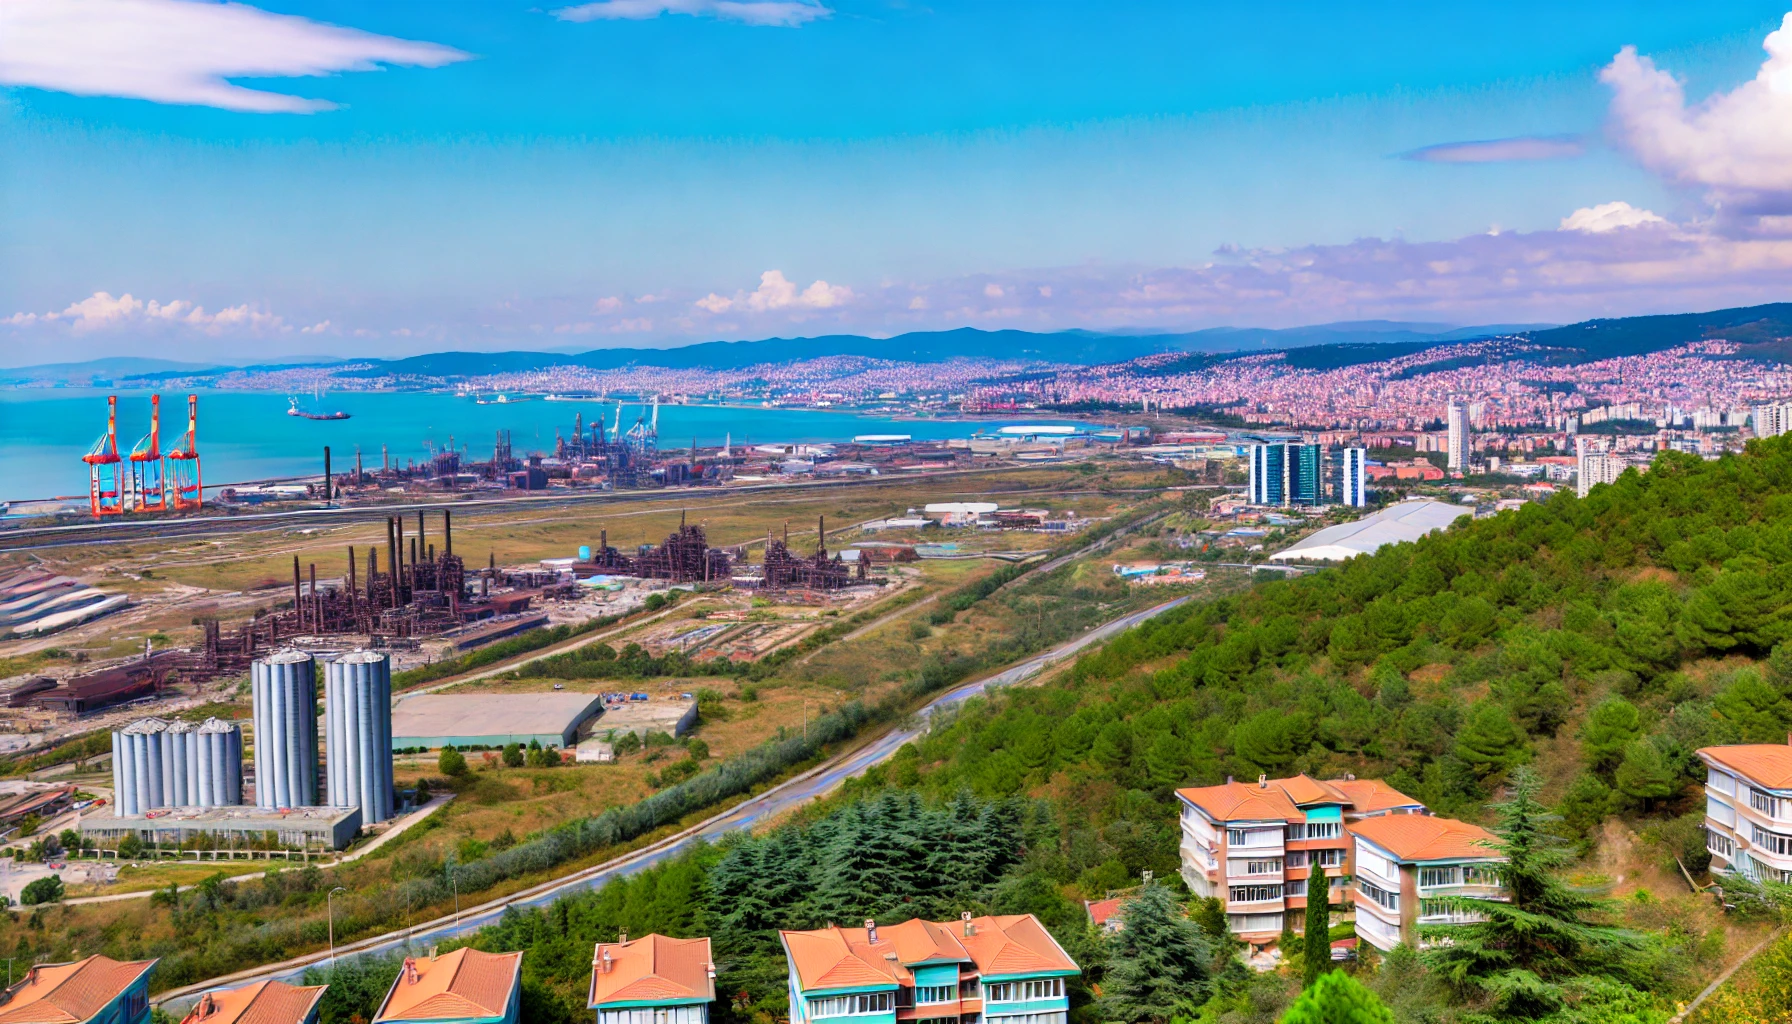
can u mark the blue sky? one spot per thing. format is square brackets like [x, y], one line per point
[496, 175]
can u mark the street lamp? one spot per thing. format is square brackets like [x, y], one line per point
[330, 915]
[454, 880]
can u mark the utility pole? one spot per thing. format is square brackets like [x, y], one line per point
[330, 914]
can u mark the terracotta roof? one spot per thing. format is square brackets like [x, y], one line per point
[649, 969]
[1014, 944]
[835, 957]
[1304, 790]
[466, 984]
[1101, 911]
[1769, 764]
[917, 942]
[1424, 837]
[1237, 801]
[1368, 796]
[265, 1002]
[69, 993]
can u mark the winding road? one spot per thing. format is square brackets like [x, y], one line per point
[773, 803]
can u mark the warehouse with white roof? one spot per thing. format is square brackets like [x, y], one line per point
[1406, 520]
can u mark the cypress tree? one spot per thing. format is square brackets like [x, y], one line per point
[1159, 965]
[1318, 952]
[1337, 998]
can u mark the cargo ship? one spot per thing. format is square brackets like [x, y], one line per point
[293, 409]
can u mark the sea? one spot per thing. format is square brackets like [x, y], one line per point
[246, 436]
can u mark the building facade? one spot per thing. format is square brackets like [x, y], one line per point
[1461, 433]
[1255, 845]
[982, 970]
[1352, 485]
[97, 990]
[1286, 473]
[652, 980]
[1748, 810]
[1772, 420]
[1406, 864]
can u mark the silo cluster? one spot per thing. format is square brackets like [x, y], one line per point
[162, 764]
[358, 733]
[284, 695]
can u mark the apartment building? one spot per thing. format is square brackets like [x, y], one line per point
[97, 990]
[1256, 845]
[652, 980]
[1748, 810]
[984, 970]
[264, 1002]
[1404, 864]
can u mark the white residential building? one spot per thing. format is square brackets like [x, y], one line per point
[1353, 477]
[1773, 419]
[1461, 436]
[1748, 810]
[1404, 863]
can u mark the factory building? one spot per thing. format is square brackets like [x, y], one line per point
[285, 705]
[245, 831]
[358, 733]
[434, 720]
[158, 764]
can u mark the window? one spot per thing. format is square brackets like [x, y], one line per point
[655, 1015]
[837, 1006]
[1385, 899]
[1772, 842]
[1480, 874]
[1316, 830]
[1044, 988]
[1719, 844]
[1764, 802]
[1329, 858]
[1296, 858]
[1251, 837]
[135, 1003]
[1254, 893]
[999, 992]
[1235, 836]
[935, 993]
[1440, 911]
[1720, 781]
[1262, 867]
[970, 988]
[1451, 875]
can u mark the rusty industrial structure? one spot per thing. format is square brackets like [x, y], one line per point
[785, 571]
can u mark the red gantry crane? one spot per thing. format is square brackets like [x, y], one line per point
[149, 493]
[105, 470]
[188, 490]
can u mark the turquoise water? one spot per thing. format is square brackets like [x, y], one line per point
[248, 436]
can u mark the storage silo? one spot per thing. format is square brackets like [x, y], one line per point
[358, 733]
[124, 775]
[285, 703]
[218, 774]
[141, 785]
[179, 759]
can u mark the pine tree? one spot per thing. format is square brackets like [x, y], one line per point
[1159, 965]
[1610, 728]
[1539, 934]
[1645, 776]
[1489, 741]
[1337, 998]
[1317, 957]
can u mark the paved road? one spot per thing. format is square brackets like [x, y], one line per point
[775, 802]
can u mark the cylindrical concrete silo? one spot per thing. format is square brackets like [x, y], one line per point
[285, 703]
[124, 777]
[358, 740]
[219, 763]
[145, 777]
[177, 751]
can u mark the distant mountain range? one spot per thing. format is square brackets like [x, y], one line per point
[1763, 332]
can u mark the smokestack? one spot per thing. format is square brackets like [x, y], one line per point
[326, 474]
[422, 538]
[871, 931]
[447, 532]
[969, 928]
[298, 604]
[317, 603]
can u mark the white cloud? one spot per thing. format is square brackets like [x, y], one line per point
[631, 325]
[609, 304]
[918, 302]
[1045, 291]
[1488, 151]
[780, 13]
[1734, 142]
[317, 328]
[777, 292]
[992, 290]
[182, 51]
[1608, 217]
[102, 310]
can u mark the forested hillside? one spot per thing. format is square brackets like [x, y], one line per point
[1595, 643]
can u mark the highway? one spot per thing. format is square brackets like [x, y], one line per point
[773, 803]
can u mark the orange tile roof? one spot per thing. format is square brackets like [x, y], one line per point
[466, 984]
[1424, 837]
[1014, 944]
[1237, 801]
[1304, 790]
[835, 957]
[1100, 911]
[1769, 764]
[265, 1002]
[652, 968]
[1368, 796]
[69, 993]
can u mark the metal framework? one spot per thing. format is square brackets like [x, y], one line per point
[105, 470]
